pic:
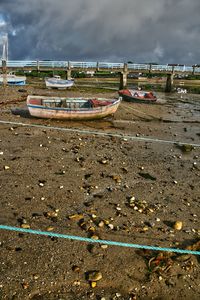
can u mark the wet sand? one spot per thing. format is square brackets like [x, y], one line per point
[114, 187]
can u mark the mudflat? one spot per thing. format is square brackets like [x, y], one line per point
[131, 178]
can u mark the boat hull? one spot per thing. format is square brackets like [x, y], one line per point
[58, 84]
[73, 113]
[17, 80]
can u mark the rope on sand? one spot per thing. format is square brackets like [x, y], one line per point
[105, 242]
[100, 133]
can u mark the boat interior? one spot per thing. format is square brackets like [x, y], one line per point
[68, 103]
[62, 103]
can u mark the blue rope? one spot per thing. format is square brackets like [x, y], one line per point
[105, 242]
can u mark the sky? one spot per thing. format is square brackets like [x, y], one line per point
[140, 31]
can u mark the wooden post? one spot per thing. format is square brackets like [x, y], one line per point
[150, 67]
[169, 83]
[69, 74]
[4, 71]
[123, 80]
[97, 67]
[69, 71]
[123, 77]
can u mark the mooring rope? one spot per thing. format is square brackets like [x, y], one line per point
[104, 242]
[100, 133]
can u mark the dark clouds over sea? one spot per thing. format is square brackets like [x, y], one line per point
[162, 31]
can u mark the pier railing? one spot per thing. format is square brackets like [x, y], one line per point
[77, 65]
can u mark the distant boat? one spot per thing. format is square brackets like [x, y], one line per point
[71, 108]
[138, 96]
[57, 82]
[12, 79]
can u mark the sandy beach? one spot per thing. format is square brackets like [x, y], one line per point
[131, 178]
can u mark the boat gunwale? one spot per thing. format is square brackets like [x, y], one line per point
[74, 109]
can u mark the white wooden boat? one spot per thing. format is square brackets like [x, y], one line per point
[58, 82]
[71, 108]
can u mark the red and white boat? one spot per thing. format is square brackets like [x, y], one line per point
[138, 96]
[71, 108]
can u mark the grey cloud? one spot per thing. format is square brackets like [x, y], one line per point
[162, 31]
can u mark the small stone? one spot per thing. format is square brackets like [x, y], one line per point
[111, 226]
[145, 228]
[76, 217]
[104, 246]
[104, 161]
[93, 284]
[50, 228]
[76, 283]
[101, 224]
[52, 214]
[6, 167]
[25, 285]
[94, 276]
[118, 208]
[1, 152]
[25, 226]
[94, 237]
[178, 225]
[75, 268]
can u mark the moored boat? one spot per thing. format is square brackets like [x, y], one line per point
[58, 82]
[138, 96]
[71, 108]
[12, 79]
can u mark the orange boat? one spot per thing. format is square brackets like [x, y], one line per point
[138, 96]
[71, 108]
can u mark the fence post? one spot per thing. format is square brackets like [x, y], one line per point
[4, 71]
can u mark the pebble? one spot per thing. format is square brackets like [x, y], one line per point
[93, 284]
[94, 276]
[51, 214]
[76, 217]
[104, 246]
[6, 167]
[50, 228]
[75, 269]
[178, 225]
[101, 224]
[104, 161]
[25, 285]
[111, 226]
[94, 237]
[76, 283]
[25, 226]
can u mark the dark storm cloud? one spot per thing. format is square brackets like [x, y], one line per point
[162, 31]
